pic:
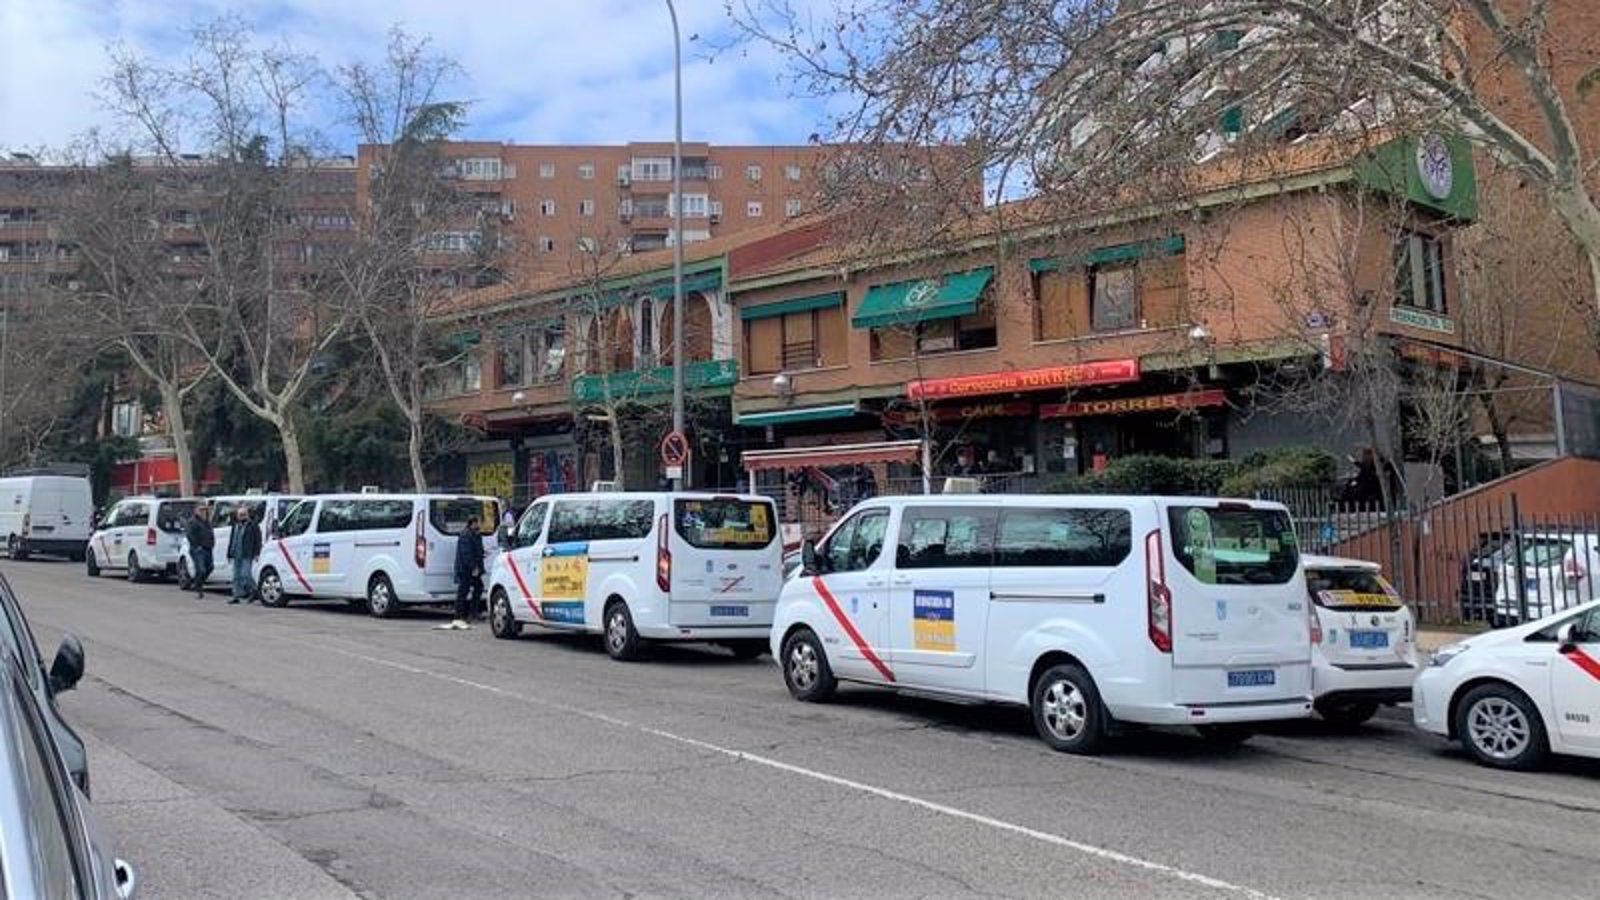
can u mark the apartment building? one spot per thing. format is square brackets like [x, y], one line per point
[564, 206]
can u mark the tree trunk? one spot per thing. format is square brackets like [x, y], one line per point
[419, 478]
[178, 428]
[293, 462]
[1582, 218]
[617, 457]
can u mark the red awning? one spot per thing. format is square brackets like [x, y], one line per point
[836, 455]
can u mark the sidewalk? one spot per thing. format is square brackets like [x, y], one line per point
[1431, 639]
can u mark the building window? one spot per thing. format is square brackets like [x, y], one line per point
[1113, 297]
[714, 172]
[625, 207]
[125, 418]
[791, 172]
[694, 205]
[547, 170]
[624, 173]
[974, 332]
[478, 168]
[585, 207]
[1142, 288]
[808, 339]
[471, 370]
[791, 208]
[513, 356]
[547, 207]
[586, 171]
[587, 244]
[652, 168]
[547, 244]
[752, 209]
[1419, 272]
[752, 172]
[453, 242]
[714, 207]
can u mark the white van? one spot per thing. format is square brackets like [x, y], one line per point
[643, 566]
[141, 536]
[378, 550]
[265, 509]
[45, 514]
[1095, 611]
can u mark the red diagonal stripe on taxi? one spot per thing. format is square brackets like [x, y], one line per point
[1584, 661]
[850, 629]
[527, 595]
[292, 567]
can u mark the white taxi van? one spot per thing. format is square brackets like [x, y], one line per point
[1092, 610]
[1514, 696]
[1363, 640]
[382, 551]
[265, 509]
[638, 567]
[140, 536]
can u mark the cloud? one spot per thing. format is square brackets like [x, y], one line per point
[536, 71]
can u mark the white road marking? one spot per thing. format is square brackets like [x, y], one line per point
[1057, 840]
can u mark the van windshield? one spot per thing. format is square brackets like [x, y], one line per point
[724, 523]
[173, 516]
[449, 515]
[1228, 545]
[1350, 589]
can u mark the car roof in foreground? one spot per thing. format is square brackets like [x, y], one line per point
[1103, 499]
[1318, 561]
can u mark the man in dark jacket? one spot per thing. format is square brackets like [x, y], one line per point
[469, 573]
[202, 540]
[244, 545]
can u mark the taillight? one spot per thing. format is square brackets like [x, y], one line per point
[1316, 628]
[421, 553]
[1569, 566]
[663, 557]
[150, 537]
[1160, 598]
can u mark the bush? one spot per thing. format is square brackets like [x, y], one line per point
[1283, 467]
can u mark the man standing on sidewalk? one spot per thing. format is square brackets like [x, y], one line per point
[469, 573]
[202, 540]
[244, 545]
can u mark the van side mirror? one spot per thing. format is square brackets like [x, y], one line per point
[1569, 636]
[67, 668]
[502, 536]
[810, 563]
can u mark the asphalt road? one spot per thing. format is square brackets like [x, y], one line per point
[315, 752]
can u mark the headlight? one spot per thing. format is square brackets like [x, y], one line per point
[1443, 655]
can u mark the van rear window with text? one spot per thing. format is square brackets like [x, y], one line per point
[1227, 545]
[724, 524]
[449, 516]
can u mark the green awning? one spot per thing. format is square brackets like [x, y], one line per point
[1171, 246]
[705, 281]
[904, 302]
[461, 340]
[803, 414]
[798, 304]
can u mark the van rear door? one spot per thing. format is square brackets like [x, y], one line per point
[1240, 628]
[725, 563]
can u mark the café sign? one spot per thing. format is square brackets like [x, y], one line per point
[1119, 406]
[994, 409]
[1111, 371]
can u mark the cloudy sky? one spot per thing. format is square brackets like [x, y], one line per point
[537, 71]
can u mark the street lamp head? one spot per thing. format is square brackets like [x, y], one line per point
[1199, 334]
[519, 397]
[782, 384]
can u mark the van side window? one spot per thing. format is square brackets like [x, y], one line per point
[945, 537]
[221, 512]
[132, 514]
[173, 515]
[602, 520]
[298, 519]
[1064, 537]
[363, 515]
[856, 544]
[532, 523]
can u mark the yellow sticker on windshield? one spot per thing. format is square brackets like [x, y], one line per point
[758, 517]
[563, 577]
[1355, 598]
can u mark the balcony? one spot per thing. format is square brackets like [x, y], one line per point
[649, 385]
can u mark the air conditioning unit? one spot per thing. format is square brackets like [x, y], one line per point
[715, 217]
[962, 486]
[371, 489]
[603, 487]
[624, 179]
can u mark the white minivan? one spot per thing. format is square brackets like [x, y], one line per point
[1094, 611]
[638, 567]
[50, 514]
[383, 551]
[141, 536]
[265, 509]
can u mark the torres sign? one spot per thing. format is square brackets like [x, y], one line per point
[1111, 371]
[1123, 405]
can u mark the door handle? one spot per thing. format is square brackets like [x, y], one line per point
[875, 582]
[902, 579]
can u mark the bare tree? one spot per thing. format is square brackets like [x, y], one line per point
[39, 348]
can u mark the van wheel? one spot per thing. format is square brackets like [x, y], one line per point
[1348, 715]
[1067, 711]
[1501, 728]
[502, 623]
[16, 548]
[380, 596]
[805, 668]
[269, 587]
[1225, 735]
[622, 639]
[747, 649]
[92, 565]
[183, 574]
[135, 574]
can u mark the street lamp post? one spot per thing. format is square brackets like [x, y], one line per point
[677, 238]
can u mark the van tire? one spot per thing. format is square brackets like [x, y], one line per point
[1067, 711]
[380, 597]
[806, 672]
[16, 548]
[1506, 704]
[135, 574]
[183, 574]
[269, 589]
[622, 639]
[1225, 736]
[502, 623]
[1347, 715]
[91, 565]
[751, 649]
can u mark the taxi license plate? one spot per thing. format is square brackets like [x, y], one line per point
[1252, 678]
[1369, 640]
[725, 611]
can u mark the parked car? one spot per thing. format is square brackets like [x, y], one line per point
[1513, 696]
[50, 842]
[140, 536]
[266, 509]
[381, 550]
[50, 514]
[64, 673]
[1094, 611]
[1557, 571]
[641, 567]
[1363, 640]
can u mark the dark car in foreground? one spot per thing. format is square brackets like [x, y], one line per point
[16, 639]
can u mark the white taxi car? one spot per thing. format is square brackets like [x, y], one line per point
[1516, 695]
[1363, 640]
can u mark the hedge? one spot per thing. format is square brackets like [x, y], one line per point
[1284, 467]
